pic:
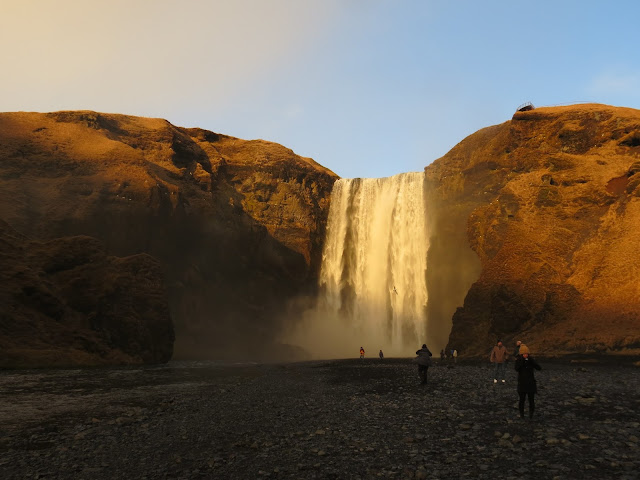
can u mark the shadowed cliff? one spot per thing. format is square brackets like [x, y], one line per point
[551, 208]
[65, 302]
[237, 225]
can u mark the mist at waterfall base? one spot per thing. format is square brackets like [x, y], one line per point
[373, 287]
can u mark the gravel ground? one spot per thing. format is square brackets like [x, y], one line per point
[345, 419]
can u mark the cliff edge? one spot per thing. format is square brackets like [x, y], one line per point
[237, 225]
[551, 201]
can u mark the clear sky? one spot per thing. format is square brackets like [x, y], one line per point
[368, 88]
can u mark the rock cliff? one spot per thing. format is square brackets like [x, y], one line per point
[65, 302]
[550, 206]
[534, 231]
[237, 225]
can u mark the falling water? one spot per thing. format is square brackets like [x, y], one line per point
[373, 276]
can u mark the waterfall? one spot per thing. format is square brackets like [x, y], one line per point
[373, 290]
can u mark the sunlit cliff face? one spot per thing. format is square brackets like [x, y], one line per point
[548, 201]
[236, 225]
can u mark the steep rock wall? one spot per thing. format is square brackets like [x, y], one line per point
[551, 201]
[237, 225]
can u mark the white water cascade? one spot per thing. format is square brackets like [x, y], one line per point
[373, 290]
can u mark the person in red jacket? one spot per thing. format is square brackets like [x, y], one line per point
[498, 357]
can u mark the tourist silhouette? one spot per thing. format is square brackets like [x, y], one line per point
[423, 359]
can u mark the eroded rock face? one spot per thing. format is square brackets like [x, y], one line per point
[237, 225]
[66, 302]
[552, 205]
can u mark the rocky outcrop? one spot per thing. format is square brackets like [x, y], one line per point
[551, 201]
[237, 225]
[66, 302]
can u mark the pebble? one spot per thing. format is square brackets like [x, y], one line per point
[317, 420]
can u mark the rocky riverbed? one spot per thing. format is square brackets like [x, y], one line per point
[344, 419]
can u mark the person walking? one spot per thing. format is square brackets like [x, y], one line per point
[423, 360]
[381, 355]
[362, 353]
[527, 387]
[498, 357]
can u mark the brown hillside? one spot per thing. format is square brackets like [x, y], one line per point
[552, 205]
[65, 302]
[237, 225]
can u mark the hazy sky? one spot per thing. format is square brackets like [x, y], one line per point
[368, 88]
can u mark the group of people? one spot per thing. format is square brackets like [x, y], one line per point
[453, 352]
[525, 365]
[380, 354]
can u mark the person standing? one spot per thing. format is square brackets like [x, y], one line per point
[527, 387]
[362, 353]
[423, 360]
[443, 355]
[381, 355]
[498, 357]
[455, 356]
[516, 351]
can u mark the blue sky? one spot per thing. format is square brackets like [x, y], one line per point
[367, 88]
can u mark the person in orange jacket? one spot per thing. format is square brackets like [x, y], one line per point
[361, 352]
[498, 356]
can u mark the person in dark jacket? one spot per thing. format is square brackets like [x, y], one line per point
[423, 360]
[516, 351]
[527, 387]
